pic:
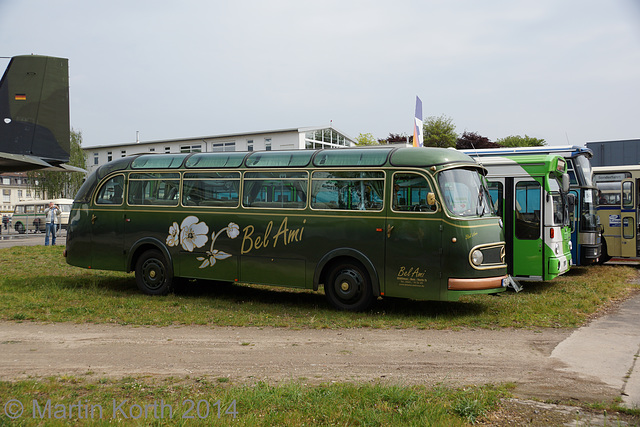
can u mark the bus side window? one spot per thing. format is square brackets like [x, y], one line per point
[211, 189]
[347, 190]
[283, 190]
[527, 221]
[111, 191]
[410, 192]
[154, 189]
[496, 191]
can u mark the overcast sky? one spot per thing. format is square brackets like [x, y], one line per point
[567, 71]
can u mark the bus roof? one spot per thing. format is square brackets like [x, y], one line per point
[538, 163]
[346, 157]
[625, 168]
[44, 201]
[563, 150]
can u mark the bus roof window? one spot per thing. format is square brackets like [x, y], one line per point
[352, 157]
[158, 161]
[279, 159]
[216, 160]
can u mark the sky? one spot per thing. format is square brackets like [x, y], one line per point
[566, 71]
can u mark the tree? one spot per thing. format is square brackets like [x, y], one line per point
[366, 139]
[56, 184]
[439, 132]
[396, 138]
[521, 141]
[471, 140]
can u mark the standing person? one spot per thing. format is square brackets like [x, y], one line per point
[52, 216]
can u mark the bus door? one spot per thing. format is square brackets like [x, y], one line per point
[107, 226]
[413, 240]
[527, 247]
[628, 216]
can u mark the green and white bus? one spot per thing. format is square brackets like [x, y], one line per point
[530, 193]
[363, 222]
[619, 210]
[28, 216]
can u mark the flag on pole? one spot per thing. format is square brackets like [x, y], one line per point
[417, 125]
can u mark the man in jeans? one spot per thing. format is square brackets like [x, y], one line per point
[52, 216]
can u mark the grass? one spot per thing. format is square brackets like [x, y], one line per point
[37, 285]
[173, 401]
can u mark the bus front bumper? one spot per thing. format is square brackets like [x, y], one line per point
[477, 284]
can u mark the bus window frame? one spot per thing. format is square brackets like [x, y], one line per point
[430, 209]
[248, 176]
[204, 203]
[319, 171]
[104, 183]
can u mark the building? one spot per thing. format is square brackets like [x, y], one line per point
[615, 153]
[284, 139]
[13, 188]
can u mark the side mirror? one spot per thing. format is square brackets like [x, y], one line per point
[571, 200]
[565, 183]
[431, 199]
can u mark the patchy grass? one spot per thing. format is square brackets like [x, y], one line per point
[36, 284]
[199, 401]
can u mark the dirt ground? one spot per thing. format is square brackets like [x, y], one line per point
[274, 355]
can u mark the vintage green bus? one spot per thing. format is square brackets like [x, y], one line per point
[531, 195]
[363, 222]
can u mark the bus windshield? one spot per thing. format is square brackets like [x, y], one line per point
[464, 193]
[584, 171]
[589, 220]
[560, 214]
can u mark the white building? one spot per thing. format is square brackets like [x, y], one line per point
[284, 139]
[13, 189]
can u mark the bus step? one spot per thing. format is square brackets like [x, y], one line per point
[513, 284]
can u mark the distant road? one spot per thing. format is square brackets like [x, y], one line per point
[12, 238]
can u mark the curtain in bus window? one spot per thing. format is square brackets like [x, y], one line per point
[111, 191]
[527, 221]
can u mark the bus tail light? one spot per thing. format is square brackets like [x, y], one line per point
[552, 232]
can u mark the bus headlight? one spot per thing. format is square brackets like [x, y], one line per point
[477, 257]
[557, 248]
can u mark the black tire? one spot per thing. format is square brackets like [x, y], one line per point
[348, 287]
[19, 227]
[153, 275]
[604, 256]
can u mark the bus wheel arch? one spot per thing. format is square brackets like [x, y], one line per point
[19, 227]
[357, 267]
[153, 267]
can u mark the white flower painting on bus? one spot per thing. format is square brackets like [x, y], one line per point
[192, 233]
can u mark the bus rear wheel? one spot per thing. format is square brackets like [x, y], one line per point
[152, 273]
[348, 287]
[20, 228]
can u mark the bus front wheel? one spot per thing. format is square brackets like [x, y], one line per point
[348, 287]
[152, 273]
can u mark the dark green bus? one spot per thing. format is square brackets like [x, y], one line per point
[363, 222]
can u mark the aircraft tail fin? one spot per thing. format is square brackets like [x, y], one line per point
[34, 108]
